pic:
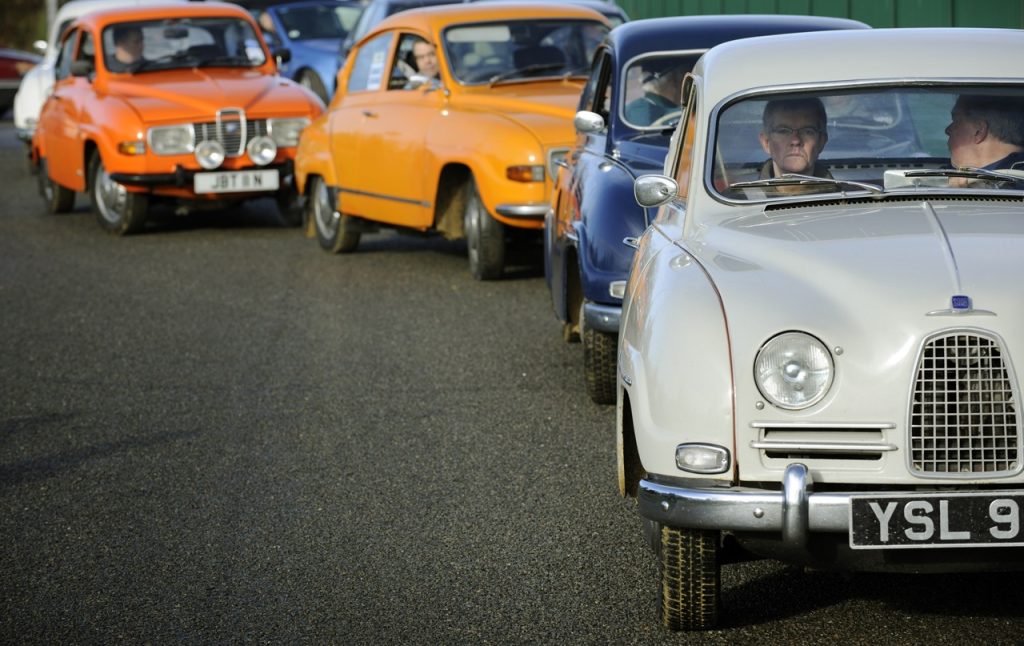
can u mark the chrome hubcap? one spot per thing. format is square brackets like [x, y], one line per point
[326, 218]
[110, 197]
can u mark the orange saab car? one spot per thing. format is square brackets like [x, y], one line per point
[449, 119]
[179, 102]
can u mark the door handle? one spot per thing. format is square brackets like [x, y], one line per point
[369, 114]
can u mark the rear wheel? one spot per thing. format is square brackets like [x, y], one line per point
[690, 590]
[311, 80]
[57, 198]
[485, 237]
[599, 364]
[117, 210]
[329, 223]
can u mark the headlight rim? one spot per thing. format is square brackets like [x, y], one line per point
[810, 401]
[155, 148]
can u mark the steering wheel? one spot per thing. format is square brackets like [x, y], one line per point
[663, 120]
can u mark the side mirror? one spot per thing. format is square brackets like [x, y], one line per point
[282, 55]
[654, 190]
[81, 68]
[40, 46]
[588, 122]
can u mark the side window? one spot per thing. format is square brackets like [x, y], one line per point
[415, 56]
[597, 93]
[62, 69]
[86, 51]
[683, 139]
[368, 67]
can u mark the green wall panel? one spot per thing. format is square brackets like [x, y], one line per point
[877, 13]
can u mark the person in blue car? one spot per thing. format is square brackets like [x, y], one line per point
[662, 81]
[986, 132]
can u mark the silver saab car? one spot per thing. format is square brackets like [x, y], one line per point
[817, 353]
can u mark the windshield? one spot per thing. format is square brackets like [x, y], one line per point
[870, 141]
[514, 51]
[309, 22]
[652, 86]
[145, 46]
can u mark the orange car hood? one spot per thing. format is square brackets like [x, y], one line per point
[197, 94]
[547, 110]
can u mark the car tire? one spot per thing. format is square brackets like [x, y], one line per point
[485, 237]
[289, 207]
[311, 80]
[690, 572]
[600, 351]
[117, 210]
[57, 198]
[330, 228]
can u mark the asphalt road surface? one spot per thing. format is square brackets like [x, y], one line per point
[213, 432]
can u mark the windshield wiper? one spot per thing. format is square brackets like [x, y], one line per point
[967, 173]
[225, 61]
[796, 179]
[144, 64]
[529, 69]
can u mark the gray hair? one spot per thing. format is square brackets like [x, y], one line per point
[1004, 115]
[810, 104]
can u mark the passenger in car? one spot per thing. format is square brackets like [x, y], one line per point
[662, 82]
[986, 132]
[128, 45]
[793, 133]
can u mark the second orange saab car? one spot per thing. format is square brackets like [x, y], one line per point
[450, 119]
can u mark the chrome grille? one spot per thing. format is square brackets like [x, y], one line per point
[963, 414]
[231, 129]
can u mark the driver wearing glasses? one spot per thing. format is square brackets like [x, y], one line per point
[793, 133]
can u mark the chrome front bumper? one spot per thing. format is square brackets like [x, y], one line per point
[796, 511]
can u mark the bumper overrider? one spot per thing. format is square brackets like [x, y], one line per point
[183, 178]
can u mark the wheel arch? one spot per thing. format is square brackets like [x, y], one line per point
[630, 469]
[450, 198]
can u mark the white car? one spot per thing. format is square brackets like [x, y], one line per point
[37, 83]
[819, 366]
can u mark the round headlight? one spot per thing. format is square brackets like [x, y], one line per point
[210, 154]
[262, 150]
[793, 370]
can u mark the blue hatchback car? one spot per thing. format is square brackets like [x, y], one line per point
[627, 111]
[312, 31]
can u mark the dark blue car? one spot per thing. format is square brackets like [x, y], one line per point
[311, 31]
[628, 110]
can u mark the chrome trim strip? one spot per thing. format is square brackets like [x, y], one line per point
[522, 210]
[403, 200]
[603, 318]
[960, 312]
[838, 447]
[824, 426]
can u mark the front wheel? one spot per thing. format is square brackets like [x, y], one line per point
[485, 237]
[57, 198]
[117, 210]
[690, 571]
[329, 223]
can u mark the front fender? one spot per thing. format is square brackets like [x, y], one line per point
[313, 157]
[674, 359]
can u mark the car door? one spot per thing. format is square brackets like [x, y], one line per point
[59, 120]
[392, 119]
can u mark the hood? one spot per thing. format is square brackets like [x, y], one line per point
[867, 275]
[197, 94]
[546, 109]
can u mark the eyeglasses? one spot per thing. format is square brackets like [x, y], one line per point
[807, 132]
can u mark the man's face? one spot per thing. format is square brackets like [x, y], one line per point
[794, 140]
[129, 48]
[961, 136]
[426, 59]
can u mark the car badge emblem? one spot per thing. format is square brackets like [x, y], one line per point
[231, 128]
[960, 305]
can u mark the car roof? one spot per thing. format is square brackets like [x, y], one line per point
[160, 10]
[608, 9]
[431, 19]
[861, 55]
[703, 32]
